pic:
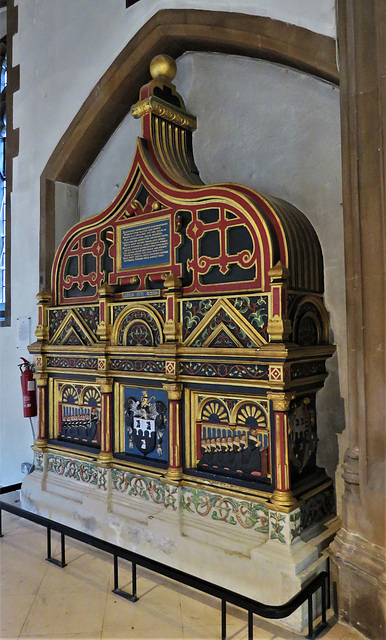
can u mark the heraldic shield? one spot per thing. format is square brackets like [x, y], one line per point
[302, 433]
[144, 434]
[145, 421]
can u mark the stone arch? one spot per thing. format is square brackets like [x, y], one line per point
[171, 31]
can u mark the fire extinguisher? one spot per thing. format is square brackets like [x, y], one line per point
[28, 387]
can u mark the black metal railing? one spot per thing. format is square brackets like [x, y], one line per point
[274, 612]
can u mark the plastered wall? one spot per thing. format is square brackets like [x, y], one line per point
[63, 48]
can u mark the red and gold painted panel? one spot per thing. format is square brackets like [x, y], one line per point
[186, 329]
[75, 413]
[216, 238]
[229, 435]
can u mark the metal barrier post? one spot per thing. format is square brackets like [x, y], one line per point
[63, 549]
[59, 563]
[48, 544]
[115, 573]
[134, 582]
[250, 624]
[223, 619]
[310, 620]
[120, 592]
[324, 598]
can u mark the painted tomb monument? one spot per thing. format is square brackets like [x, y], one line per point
[178, 358]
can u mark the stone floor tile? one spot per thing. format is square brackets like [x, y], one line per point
[153, 633]
[207, 632]
[61, 613]
[13, 612]
[159, 608]
[200, 610]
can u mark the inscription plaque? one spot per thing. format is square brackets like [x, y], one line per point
[144, 245]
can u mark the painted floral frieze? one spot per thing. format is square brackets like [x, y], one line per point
[138, 486]
[39, 460]
[247, 515]
[284, 527]
[76, 469]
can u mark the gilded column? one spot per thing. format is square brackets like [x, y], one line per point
[41, 383]
[282, 495]
[106, 453]
[44, 300]
[174, 472]
[41, 378]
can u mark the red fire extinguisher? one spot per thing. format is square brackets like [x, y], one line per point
[28, 387]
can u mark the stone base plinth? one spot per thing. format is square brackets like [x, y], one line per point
[245, 546]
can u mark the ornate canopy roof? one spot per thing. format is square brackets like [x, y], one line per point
[164, 221]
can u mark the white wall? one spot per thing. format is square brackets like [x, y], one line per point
[63, 48]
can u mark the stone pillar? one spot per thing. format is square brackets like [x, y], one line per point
[358, 552]
[174, 472]
[282, 496]
[106, 454]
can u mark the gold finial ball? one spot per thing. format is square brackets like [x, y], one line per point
[163, 65]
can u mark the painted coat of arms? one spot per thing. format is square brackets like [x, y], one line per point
[146, 422]
[302, 433]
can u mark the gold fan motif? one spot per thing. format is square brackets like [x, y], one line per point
[214, 408]
[91, 395]
[251, 411]
[70, 395]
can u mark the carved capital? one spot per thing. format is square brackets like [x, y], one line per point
[172, 283]
[279, 329]
[41, 332]
[171, 331]
[105, 290]
[279, 272]
[44, 297]
[151, 105]
[174, 390]
[41, 379]
[281, 401]
[103, 331]
[105, 384]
